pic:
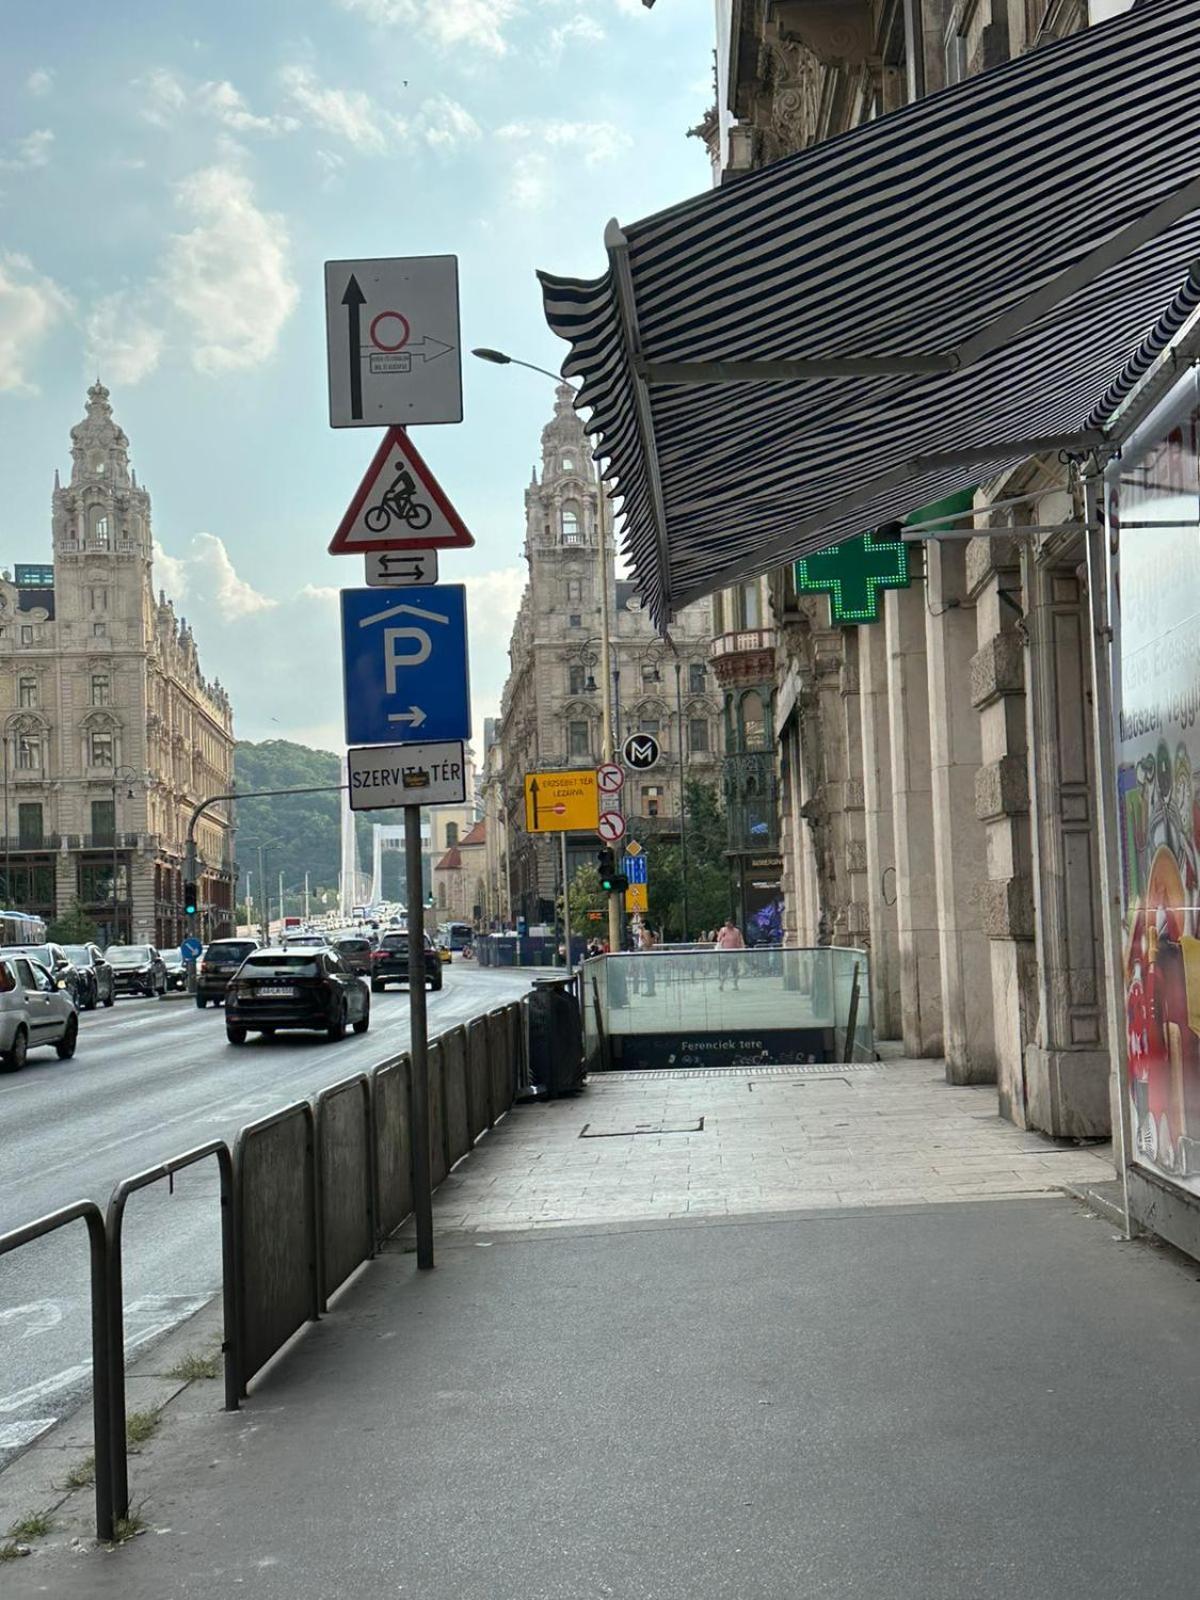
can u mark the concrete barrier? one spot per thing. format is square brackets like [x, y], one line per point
[454, 1078]
[439, 1160]
[479, 1082]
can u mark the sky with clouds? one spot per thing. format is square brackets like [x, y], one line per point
[172, 177]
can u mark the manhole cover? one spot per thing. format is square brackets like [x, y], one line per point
[591, 1131]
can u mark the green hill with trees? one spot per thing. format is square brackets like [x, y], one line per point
[302, 831]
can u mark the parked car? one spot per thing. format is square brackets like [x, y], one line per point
[355, 950]
[290, 988]
[34, 1011]
[89, 959]
[217, 966]
[60, 967]
[137, 969]
[389, 964]
[176, 968]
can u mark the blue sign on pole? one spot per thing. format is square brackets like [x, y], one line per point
[191, 949]
[404, 657]
[637, 868]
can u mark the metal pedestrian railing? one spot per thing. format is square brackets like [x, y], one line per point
[306, 1197]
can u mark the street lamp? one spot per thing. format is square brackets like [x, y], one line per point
[127, 776]
[499, 358]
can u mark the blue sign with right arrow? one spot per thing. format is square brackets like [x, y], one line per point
[404, 655]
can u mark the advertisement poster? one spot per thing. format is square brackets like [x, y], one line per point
[1153, 516]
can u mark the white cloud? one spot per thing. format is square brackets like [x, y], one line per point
[349, 113]
[205, 575]
[330, 165]
[228, 106]
[529, 181]
[40, 81]
[30, 307]
[581, 29]
[477, 24]
[163, 96]
[229, 277]
[492, 602]
[598, 141]
[121, 343]
[31, 151]
[445, 124]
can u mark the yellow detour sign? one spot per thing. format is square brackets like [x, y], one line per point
[561, 802]
[637, 897]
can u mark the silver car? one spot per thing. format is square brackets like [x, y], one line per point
[34, 1011]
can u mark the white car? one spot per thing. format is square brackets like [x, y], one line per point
[34, 1011]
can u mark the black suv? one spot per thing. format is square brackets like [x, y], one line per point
[290, 988]
[218, 964]
[389, 964]
[89, 960]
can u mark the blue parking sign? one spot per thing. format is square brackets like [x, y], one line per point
[404, 660]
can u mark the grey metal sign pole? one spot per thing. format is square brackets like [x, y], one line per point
[418, 1050]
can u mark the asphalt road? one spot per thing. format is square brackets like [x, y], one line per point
[150, 1080]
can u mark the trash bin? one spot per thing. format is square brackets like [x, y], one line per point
[556, 1063]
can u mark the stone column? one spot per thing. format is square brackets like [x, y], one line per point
[997, 684]
[959, 842]
[879, 831]
[1067, 1062]
[912, 813]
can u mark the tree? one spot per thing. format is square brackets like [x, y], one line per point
[710, 893]
[587, 896]
[73, 927]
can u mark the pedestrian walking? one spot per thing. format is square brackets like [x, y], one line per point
[728, 940]
[645, 945]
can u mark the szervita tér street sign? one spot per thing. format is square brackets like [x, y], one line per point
[399, 505]
[640, 751]
[405, 664]
[383, 776]
[393, 341]
[561, 802]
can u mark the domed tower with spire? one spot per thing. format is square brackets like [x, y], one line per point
[112, 733]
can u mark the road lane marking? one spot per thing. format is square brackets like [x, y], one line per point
[42, 1315]
[17, 1435]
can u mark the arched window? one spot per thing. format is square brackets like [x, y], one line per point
[100, 528]
[571, 531]
[748, 606]
[754, 725]
[451, 834]
[568, 463]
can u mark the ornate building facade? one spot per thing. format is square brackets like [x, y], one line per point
[111, 733]
[551, 710]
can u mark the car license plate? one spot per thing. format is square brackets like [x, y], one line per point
[276, 991]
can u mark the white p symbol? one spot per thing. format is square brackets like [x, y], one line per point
[392, 658]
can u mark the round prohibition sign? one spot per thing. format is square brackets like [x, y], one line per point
[611, 826]
[610, 779]
[389, 316]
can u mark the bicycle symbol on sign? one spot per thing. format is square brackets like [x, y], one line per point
[399, 501]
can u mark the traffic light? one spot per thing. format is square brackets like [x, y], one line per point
[611, 881]
[189, 899]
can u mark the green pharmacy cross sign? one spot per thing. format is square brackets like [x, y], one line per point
[854, 575]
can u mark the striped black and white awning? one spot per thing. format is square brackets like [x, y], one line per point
[955, 287]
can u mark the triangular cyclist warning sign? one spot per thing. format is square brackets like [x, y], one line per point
[399, 506]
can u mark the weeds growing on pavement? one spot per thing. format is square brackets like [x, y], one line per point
[81, 1474]
[141, 1425]
[35, 1526]
[11, 1551]
[129, 1527]
[196, 1365]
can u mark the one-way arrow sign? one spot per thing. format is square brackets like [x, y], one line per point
[393, 342]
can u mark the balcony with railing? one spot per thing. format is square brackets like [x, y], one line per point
[744, 655]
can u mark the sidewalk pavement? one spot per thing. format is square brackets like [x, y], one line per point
[880, 1354]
